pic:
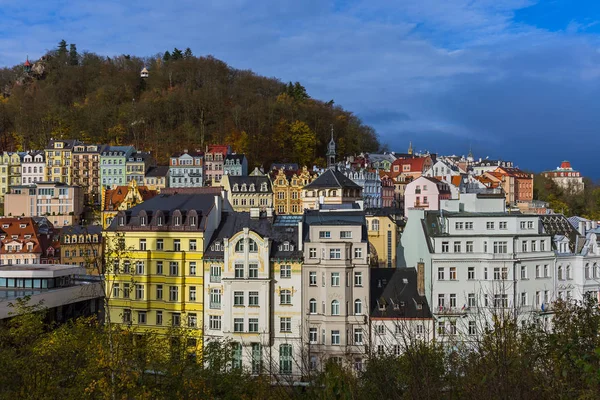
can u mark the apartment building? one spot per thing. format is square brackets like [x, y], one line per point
[398, 311]
[331, 188]
[136, 166]
[248, 192]
[86, 170]
[113, 161]
[82, 246]
[33, 167]
[425, 193]
[186, 169]
[236, 165]
[58, 155]
[335, 287]
[287, 186]
[157, 178]
[384, 226]
[122, 198]
[214, 161]
[10, 171]
[23, 242]
[370, 182]
[62, 204]
[253, 275]
[154, 259]
[479, 260]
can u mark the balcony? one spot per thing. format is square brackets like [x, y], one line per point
[451, 311]
[215, 306]
[215, 278]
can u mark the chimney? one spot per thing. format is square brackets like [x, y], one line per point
[421, 278]
[582, 227]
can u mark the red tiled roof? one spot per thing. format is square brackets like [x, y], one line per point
[114, 197]
[14, 231]
[416, 164]
[217, 148]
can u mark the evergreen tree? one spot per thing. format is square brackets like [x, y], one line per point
[73, 55]
[167, 56]
[177, 54]
[62, 48]
[187, 53]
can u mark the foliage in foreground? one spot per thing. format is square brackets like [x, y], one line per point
[511, 361]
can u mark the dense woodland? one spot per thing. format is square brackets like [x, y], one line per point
[86, 360]
[186, 102]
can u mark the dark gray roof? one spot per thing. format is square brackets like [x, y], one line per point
[68, 143]
[285, 166]
[558, 224]
[335, 218]
[166, 205]
[397, 289]
[160, 171]
[332, 178]
[248, 180]
[78, 229]
[240, 157]
[234, 222]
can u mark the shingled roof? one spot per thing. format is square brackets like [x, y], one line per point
[332, 178]
[394, 294]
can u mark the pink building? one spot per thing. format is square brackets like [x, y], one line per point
[214, 159]
[426, 193]
[387, 190]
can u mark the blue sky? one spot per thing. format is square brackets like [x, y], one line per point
[517, 79]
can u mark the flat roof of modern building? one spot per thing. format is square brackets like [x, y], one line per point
[39, 270]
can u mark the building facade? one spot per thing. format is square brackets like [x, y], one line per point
[61, 204]
[236, 165]
[154, 257]
[33, 167]
[566, 178]
[58, 155]
[425, 193]
[214, 160]
[249, 192]
[331, 188]
[122, 198]
[370, 182]
[335, 288]
[113, 161]
[157, 178]
[252, 275]
[86, 170]
[82, 246]
[287, 189]
[186, 169]
[22, 242]
[136, 166]
[383, 227]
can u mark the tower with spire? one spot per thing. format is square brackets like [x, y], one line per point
[331, 151]
[410, 149]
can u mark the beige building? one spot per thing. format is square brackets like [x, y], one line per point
[86, 170]
[10, 171]
[60, 203]
[156, 178]
[335, 287]
[331, 188]
[287, 189]
[58, 154]
[249, 192]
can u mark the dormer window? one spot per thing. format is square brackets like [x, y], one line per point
[22, 225]
[74, 239]
[236, 188]
[286, 246]
[5, 225]
[95, 238]
[121, 221]
[217, 246]
[252, 187]
[143, 220]
[67, 239]
[244, 188]
[159, 220]
[177, 220]
[192, 221]
[263, 187]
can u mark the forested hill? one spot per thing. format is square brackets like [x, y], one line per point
[186, 102]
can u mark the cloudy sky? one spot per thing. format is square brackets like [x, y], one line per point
[517, 79]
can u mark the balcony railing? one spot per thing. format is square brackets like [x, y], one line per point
[215, 278]
[215, 306]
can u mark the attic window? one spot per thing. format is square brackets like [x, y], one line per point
[159, 220]
[244, 188]
[143, 221]
[14, 237]
[286, 246]
[252, 187]
[5, 225]
[121, 221]
[381, 305]
[22, 225]
[177, 220]
[217, 246]
[192, 221]
[27, 236]
[236, 188]
[263, 187]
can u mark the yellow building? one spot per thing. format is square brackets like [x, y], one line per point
[122, 198]
[154, 262]
[58, 160]
[287, 189]
[384, 230]
[10, 172]
[247, 193]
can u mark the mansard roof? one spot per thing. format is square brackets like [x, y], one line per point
[394, 294]
[332, 178]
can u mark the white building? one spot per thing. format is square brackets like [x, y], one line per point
[335, 287]
[370, 181]
[576, 244]
[33, 167]
[252, 275]
[566, 178]
[444, 170]
[479, 260]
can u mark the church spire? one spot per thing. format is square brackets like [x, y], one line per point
[410, 149]
[331, 151]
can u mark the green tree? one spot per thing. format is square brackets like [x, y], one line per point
[166, 56]
[177, 54]
[188, 53]
[62, 48]
[73, 55]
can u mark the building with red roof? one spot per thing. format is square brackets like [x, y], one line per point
[566, 178]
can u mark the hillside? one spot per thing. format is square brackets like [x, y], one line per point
[186, 102]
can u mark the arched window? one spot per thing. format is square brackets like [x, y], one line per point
[312, 306]
[587, 271]
[375, 225]
[239, 246]
[335, 307]
[560, 273]
[357, 307]
[568, 272]
[252, 246]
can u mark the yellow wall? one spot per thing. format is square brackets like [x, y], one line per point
[150, 279]
[378, 239]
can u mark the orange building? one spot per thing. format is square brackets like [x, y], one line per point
[517, 184]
